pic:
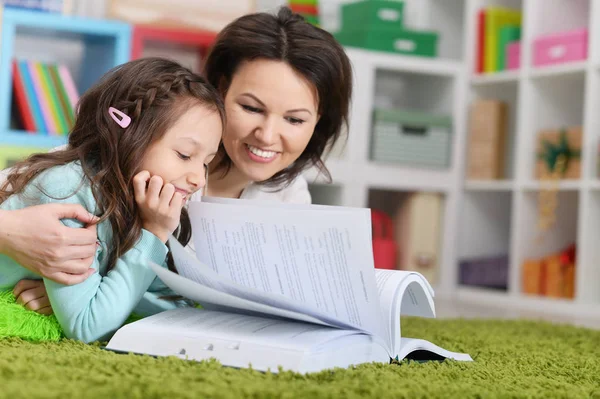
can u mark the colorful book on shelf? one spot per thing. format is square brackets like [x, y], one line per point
[495, 19]
[49, 126]
[45, 96]
[24, 111]
[479, 57]
[32, 99]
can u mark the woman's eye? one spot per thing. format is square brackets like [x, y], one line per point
[295, 121]
[183, 156]
[252, 109]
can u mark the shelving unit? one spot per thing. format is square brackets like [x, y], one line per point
[435, 85]
[490, 218]
[105, 44]
[505, 213]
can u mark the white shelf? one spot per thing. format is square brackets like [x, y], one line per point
[562, 185]
[489, 185]
[399, 178]
[557, 71]
[496, 78]
[394, 62]
[547, 307]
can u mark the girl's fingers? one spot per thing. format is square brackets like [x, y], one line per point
[32, 296]
[165, 197]
[176, 202]
[47, 310]
[153, 193]
[26, 285]
[139, 186]
[37, 304]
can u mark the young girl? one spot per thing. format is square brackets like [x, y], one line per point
[139, 149]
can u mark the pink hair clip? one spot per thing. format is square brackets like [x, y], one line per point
[115, 114]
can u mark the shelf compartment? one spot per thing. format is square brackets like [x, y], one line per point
[417, 220]
[484, 242]
[486, 96]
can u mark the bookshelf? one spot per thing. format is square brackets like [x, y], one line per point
[437, 85]
[507, 210]
[105, 44]
[487, 217]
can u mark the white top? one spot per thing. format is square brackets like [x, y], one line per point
[295, 193]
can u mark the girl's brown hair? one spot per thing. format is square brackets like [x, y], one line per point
[311, 51]
[154, 92]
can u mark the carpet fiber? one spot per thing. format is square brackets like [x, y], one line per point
[512, 359]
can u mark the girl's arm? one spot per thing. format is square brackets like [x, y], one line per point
[97, 307]
[36, 239]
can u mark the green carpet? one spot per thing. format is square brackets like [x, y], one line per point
[512, 359]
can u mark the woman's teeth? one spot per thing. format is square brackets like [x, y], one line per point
[261, 153]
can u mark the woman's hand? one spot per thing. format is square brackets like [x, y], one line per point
[32, 294]
[36, 239]
[160, 206]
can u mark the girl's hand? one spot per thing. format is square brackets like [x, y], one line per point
[160, 206]
[32, 294]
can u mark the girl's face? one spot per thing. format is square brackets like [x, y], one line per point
[271, 116]
[181, 155]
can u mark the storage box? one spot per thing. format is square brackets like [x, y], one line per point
[490, 272]
[419, 232]
[411, 137]
[552, 276]
[554, 145]
[513, 56]
[420, 43]
[487, 140]
[561, 47]
[372, 14]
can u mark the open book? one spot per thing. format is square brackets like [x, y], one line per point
[288, 286]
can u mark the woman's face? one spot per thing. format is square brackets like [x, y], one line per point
[271, 116]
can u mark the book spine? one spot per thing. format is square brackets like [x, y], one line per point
[20, 92]
[52, 97]
[63, 97]
[69, 85]
[32, 97]
[42, 103]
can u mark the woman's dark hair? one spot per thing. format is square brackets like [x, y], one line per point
[311, 51]
[154, 92]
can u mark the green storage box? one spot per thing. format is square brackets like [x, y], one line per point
[419, 43]
[372, 14]
[411, 137]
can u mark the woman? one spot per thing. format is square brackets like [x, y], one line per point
[287, 87]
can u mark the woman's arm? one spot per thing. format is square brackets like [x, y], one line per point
[37, 240]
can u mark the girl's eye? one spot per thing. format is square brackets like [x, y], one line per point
[295, 121]
[183, 156]
[251, 109]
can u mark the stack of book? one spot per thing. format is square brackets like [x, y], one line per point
[497, 29]
[309, 9]
[45, 97]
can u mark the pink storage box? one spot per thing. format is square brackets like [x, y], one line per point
[560, 47]
[513, 55]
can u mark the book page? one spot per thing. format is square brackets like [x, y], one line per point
[241, 329]
[403, 293]
[213, 299]
[319, 262]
